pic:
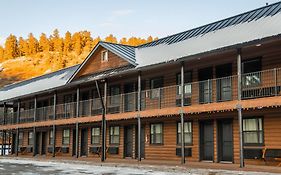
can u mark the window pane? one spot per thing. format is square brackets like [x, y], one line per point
[250, 124]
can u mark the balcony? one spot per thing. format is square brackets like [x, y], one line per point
[254, 85]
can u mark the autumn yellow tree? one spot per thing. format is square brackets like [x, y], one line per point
[33, 44]
[44, 43]
[110, 38]
[67, 47]
[11, 47]
[77, 43]
[22, 47]
[1, 53]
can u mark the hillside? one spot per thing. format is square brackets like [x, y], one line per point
[21, 59]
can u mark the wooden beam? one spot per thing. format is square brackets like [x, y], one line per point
[77, 124]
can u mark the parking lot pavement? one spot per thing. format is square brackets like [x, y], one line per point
[23, 166]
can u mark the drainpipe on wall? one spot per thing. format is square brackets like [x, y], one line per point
[77, 124]
[239, 107]
[103, 123]
[54, 126]
[139, 120]
[182, 114]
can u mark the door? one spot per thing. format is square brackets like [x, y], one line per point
[14, 143]
[129, 97]
[225, 142]
[224, 82]
[84, 142]
[206, 140]
[142, 141]
[43, 143]
[73, 142]
[37, 145]
[85, 104]
[128, 141]
[205, 85]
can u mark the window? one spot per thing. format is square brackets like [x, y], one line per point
[156, 133]
[187, 83]
[96, 135]
[30, 138]
[253, 131]
[114, 135]
[51, 137]
[114, 95]
[155, 85]
[104, 56]
[20, 138]
[65, 137]
[251, 73]
[187, 133]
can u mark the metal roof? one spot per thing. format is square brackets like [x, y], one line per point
[254, 26]
[103, 74]
[124, 51]
[249, 16]
[37, 84]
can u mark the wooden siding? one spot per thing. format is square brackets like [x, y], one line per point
[96, 65]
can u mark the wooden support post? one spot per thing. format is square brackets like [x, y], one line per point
[34, 129]
[77, 124]
[103, 124]
[239, 107]
[34, 142]
[54, 126]
[182, 115]
[17, 142]
[77, 139]
[139, 120]
[2, 143]
[4, 118]
[77, 101]
[10, 145]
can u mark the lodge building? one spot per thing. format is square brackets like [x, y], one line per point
[211, 93]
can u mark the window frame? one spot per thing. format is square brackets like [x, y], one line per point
[30, 140]
[248, 76]
[63, 137]
[104, 56]
[186, 83]
[153, 138]
[114, 135]
[257, 131]
[178, 138]
[153, 90]
[96, 135]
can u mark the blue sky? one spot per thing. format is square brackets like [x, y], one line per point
[123, 18]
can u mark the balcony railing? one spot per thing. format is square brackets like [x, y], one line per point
[254, 85]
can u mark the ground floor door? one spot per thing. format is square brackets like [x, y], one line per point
[73, 142]
[37, 144]
[84, 142]
[225, 141]
[43, 143]
[14, 143]
[142, 142]
[206, 140]
[128, 141]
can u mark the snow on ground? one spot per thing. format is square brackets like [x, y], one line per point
[11, 166]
